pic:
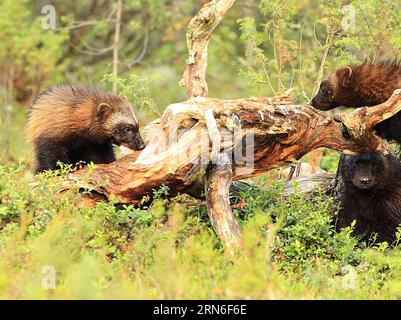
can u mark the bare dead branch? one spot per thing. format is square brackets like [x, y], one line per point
[198, 36]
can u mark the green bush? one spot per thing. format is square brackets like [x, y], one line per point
[169, 250]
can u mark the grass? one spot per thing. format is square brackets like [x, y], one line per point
[169, 251]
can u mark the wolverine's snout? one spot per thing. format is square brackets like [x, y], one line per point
[140, 144]
[136, 143]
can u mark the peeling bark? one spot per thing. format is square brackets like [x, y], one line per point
[179, 146]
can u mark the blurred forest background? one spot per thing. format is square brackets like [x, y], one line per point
[261, 48]
[264, 47]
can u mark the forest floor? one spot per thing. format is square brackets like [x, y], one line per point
[52, 248]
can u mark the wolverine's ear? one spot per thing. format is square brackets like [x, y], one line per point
[103, 111]
[344, 75]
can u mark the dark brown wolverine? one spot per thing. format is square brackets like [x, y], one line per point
[73, 123]
[367, 84]
[372, 195]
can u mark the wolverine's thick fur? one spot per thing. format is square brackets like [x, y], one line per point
[367, 84]
[74, 123]
[372, 195]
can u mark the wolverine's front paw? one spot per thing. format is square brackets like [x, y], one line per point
[79, 165]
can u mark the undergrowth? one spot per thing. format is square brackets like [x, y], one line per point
[169, 250]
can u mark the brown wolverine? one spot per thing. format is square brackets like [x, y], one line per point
[367, 84]
[73, 123]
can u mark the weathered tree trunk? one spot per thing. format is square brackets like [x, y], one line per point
[179, 145]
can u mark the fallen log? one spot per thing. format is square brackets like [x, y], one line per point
[258, 134]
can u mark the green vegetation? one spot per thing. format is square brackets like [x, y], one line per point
[169, 250]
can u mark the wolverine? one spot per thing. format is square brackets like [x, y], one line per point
[366, 84]
[74, 124]
[372, 195]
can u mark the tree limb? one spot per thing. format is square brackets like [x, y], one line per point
[281, 134]
[198, 37]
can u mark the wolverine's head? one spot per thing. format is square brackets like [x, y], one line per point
[355, 86]
[368, 170]
[118, 119]
[337, 90]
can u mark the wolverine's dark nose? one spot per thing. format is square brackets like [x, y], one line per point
[366, 181]
[141, 145]
[138, 143]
